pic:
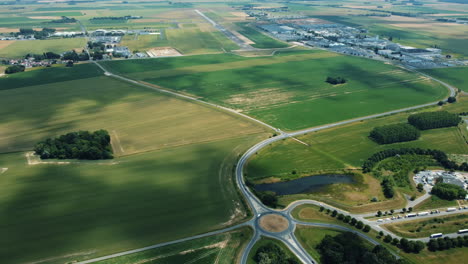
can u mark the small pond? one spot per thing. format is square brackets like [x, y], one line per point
[304, 185]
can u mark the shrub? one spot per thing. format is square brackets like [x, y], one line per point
[394, 133]
[335, 80]
[430, 120]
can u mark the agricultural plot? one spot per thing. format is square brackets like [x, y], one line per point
[222, 249]
[138, 119]
[281, 90]
[19, 49]
[81, 211]
[180, 170]
[457, 77]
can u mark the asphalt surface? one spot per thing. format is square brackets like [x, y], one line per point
[257, 208]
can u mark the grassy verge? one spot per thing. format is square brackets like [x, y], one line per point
[435, 202]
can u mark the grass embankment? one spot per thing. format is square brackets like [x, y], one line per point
[426, 227]
[345, 148]
[222, 249]
[264, 241]
[261, 41]
[281, 91]
[435, 202]
[19, 49]
[457, 76]
[310, 237]
[311, 213]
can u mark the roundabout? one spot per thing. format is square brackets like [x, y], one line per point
[273, 223]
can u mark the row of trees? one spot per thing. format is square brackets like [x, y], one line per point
[394, 133]
[405, 244]
[335, 80]
[64, 19]
[44, 56]
[272, 253]
[76, 145]
[438, 155]
[348, 247]
[347, 219]
[430, 120]
[447, 243]
[448, 191]
[74, 56]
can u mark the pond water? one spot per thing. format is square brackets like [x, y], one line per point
[304, 185]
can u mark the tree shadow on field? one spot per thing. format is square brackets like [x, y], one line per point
[62, 210]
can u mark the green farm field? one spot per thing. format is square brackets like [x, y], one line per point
[19, 49]
[347, 147]
[222, 249]
[138, 119]
[457, 76]
[84, 210]
[281, 90]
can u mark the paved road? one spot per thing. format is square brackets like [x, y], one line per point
[256, 206]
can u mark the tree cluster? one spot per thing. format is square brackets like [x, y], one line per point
[430, 120]
[447, 243]
[335, 80]
[76, 145]
[271, 253]
[394, 133]
[64, 19]
[448, 191]
[405, 244]
[14, 69]
[44, 33]
[387, 187]
[438, 155]
[116, 18]
[74, 56]
[44, 56]
[348, 247]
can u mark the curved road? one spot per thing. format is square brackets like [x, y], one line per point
[257, 208]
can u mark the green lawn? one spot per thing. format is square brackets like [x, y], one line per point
[262, 41]
[457, 76]
[435, 202]
[20, 48]
[86, 210]
[222, 249]
[281, 90]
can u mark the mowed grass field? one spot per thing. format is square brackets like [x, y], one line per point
[222, 249]
[172, 177]
[19, 49]
[288, 90]
[348, 146]
[138, 119]
[457, 76]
